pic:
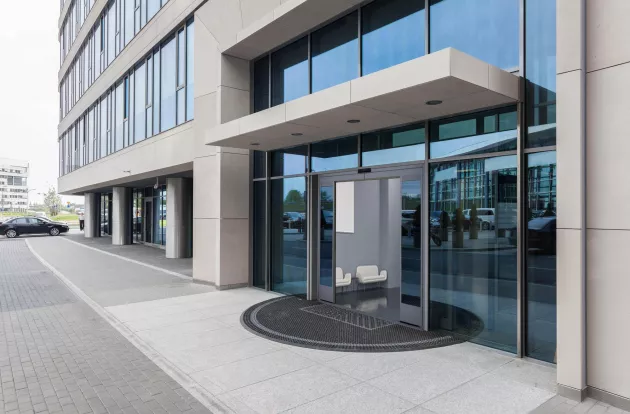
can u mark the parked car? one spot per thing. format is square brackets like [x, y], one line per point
[541, 234]
[32, 225]
[327, 219]
[292, 220]
[485, 216]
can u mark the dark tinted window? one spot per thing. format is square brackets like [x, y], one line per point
[260, 164]
[289, 71]
[487, 30]
[261, 84]
[392, 33]
[336, 154]
[335, 53]
[259, 225]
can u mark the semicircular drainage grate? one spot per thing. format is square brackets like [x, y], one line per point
[311, 324]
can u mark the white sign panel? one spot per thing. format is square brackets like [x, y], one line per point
[344, 207]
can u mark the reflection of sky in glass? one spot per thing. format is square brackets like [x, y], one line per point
[487, 30]
[336, 66]
[541, 159]
[295, 81]
[293, 164]
[394, 43]
[410, 188]
[499, 163]
[470, 144]
[334, 163]
[541, 43]
[394, 155]
[295, 183]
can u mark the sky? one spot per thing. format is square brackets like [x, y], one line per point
[29, 64]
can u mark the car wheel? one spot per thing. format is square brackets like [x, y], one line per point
[485, 225]
[54, 231]
[11, 233]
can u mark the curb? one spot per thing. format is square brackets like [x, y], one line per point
[197, 391]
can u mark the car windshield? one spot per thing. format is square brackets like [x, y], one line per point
[540, 223]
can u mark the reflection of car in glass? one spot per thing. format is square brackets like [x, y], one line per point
[407, 222]
[32, 225]
[541, 234]
[485, 218]
[327, 219]
[292, 220]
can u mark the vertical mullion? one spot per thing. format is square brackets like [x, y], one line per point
[521, 259]
[427, 22]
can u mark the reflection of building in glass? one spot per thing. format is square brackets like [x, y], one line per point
[541, 188]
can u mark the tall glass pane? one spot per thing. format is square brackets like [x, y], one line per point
[289, 72]
[111, 33]
[473, 220]
[326, 226]
[392, 33]
[541, 256]
[152, 7]
[168, 83]
[288, 235]
[540, 71]
[261, 84]
[335, 53]
[393, 146]
[487, 30]
[119, 112]
[260, 164]
[103, 128]
[335, 154]
[156, 92]
[129, 20]
[478, 133]
[290, 161]
[410, 243]
[140, 102]
[190, 71]
[259, 231]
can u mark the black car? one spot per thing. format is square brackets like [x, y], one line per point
[31, 225]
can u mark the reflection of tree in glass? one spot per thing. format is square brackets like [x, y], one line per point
[294, 201]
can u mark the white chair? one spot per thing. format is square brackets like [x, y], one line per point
[370, 274]
[341, 279]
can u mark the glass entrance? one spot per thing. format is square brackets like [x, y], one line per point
[370, 256]
[148, 220]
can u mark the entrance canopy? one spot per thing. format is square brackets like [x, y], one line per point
[440, 84]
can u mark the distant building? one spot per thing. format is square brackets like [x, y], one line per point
[13, 184]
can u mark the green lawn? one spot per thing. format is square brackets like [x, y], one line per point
[65, 217]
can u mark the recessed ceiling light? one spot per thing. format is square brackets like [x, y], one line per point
[254, 144]
[353, 121]
[435, 102]
[297, 134]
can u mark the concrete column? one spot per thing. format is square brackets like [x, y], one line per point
[571, 225]
[178, 218]
[92, 211]
[121, 216]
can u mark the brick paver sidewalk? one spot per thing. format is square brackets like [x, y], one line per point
[57, 355]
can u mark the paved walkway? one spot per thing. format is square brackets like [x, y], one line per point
[140, 252]
[197, 334]
[57, 355]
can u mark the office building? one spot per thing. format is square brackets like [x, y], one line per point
[13, 185]
[464, 148]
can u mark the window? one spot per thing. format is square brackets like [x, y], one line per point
[289, 72]
[482, 132]
[119, 116]
[488, 31]
[140, 102]
[260, 164]
[156, 92]
[259, 232]
[289, 161]
[168, 84]
[335, 53]
[149, 107]
[393, 146]
[129, 20]
[540, 71]
[335, 154]
[460, 290]
[392, 33]
[181, 77]
[190, 71]
[152, 8]
[261, 84]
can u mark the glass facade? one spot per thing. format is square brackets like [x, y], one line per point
[289, 72]
[151, 98]
[541, 285]
[540, 72]
[473, 212]
[487, 30]
[259, 224]
[120, 22]
[337, 154]
[290, 161]
[393, 146]
[478, 133]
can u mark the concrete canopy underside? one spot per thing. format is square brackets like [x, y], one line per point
[391, 97]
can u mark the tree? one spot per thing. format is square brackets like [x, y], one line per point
[293, 196]
[52, 201]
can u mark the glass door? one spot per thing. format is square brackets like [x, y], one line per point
[148, 220]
